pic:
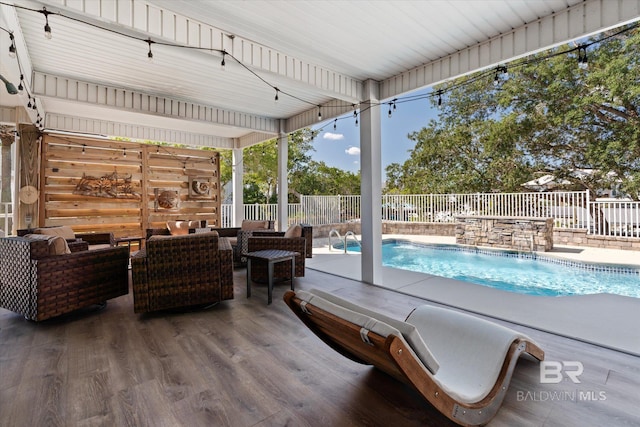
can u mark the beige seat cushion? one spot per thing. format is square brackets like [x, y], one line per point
[293, 231]
[180, 228]
[57, 244]
[63, 231]
[248, 224]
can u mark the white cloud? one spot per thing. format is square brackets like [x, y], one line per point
[333, 136]
[353, 151]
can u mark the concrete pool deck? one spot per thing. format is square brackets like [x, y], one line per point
[607, 320]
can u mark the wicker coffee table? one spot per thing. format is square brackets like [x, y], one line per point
[270, 256]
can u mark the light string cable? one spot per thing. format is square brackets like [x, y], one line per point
[149, 41]
[24, 85]
[491, 72]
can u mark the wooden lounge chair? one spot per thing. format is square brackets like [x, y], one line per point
[460, 364]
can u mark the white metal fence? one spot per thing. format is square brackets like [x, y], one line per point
[570, 210]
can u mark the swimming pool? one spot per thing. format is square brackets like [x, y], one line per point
[525, 273]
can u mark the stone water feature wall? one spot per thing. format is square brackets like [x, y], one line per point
[520, 233]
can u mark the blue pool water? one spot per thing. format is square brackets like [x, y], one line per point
[512, 272]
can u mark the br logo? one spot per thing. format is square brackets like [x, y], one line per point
[553, 372]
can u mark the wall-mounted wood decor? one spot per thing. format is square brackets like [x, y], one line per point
[166, 199]
[67, 160]
[201, 187]
[110, 186]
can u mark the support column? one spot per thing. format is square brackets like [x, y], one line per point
[371, 184]
[283, 179]
[238, 186]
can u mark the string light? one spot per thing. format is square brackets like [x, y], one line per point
[124, 152]
[12, 46]
[500, 69]
[20, 87]
[83, 146]
[223, 64]
[583, 62]
[47, 28]
[335, 124]
[149, 54]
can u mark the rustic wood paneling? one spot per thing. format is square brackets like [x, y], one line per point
[66, 160]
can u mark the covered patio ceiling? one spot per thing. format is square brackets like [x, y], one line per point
[94, 76]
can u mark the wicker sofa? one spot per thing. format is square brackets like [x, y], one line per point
[40, 284]
[300, 243]
[182, 271]
[239, 237]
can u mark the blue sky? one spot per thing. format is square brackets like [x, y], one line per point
[340, 148]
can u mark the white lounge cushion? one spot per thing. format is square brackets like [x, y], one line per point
[373, 321]
[472, 349]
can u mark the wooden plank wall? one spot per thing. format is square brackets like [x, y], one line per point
[67, 159]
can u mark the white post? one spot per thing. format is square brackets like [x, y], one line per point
[238, 187]
[283, 185]
[371, 184]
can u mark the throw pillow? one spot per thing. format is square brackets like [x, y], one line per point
[64, 231]
[57, 244]
[293, 231]
[248, 224]
[180, 228]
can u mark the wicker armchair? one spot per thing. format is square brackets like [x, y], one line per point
[277, 240]
[40, 285]
[182, 271]
[239, 237]
[79, 241]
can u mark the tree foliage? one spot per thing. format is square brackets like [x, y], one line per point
[548, 115]
[305, 175]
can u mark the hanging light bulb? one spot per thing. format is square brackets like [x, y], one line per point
[47, 28]
[124, 152]
[276, 98]
[583, 62]
[12, 46]
[83, 146]
[223, 64]
[149, 54]
[389, 113]
[335, 124]
[439, 98]
[20, 87]
[29, 103]
[319, 114]
[355, 114]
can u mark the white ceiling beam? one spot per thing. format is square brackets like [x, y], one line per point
[308, 118]
[61, 122]
[45, 85]
[581, 20]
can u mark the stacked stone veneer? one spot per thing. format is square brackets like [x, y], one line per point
[520, 233]
[578, 237]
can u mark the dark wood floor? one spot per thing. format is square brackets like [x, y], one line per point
[243, 363]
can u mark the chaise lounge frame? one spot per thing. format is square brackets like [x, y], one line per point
[394, 356]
